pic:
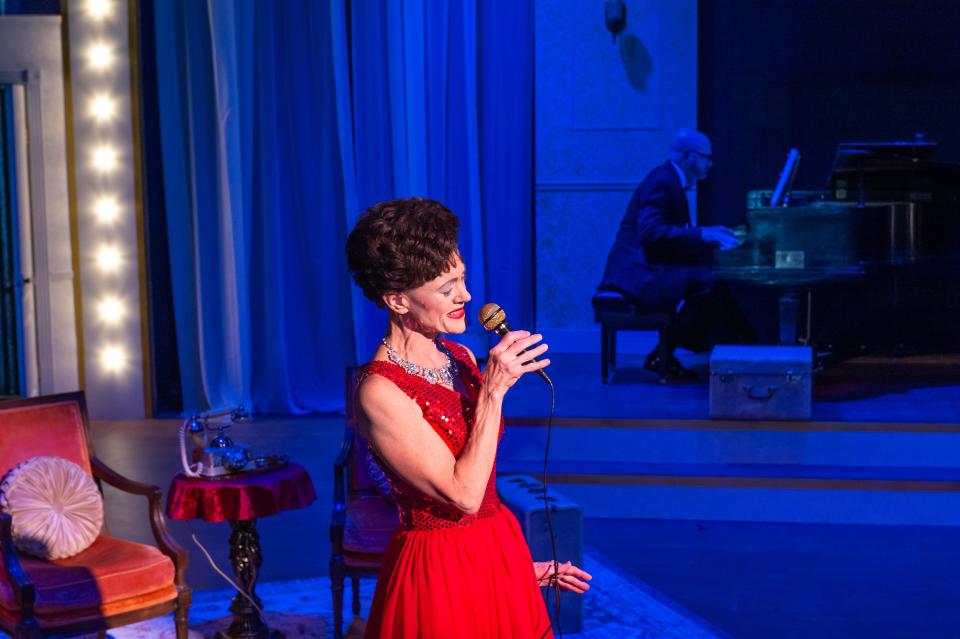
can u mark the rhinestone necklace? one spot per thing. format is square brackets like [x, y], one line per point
[443, 375]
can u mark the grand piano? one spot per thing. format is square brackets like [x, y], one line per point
[873, 263]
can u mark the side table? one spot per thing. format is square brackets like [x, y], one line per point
[241, 499]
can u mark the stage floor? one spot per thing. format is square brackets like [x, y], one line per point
[740, 578]
[907, 389]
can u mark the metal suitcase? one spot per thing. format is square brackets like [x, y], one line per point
[761, 382]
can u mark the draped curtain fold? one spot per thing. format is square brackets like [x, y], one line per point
[281, 122]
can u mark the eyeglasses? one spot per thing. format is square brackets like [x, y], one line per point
[705, 156]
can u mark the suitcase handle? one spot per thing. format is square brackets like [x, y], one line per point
[753, 394]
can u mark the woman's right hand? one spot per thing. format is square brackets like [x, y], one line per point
[569, 577]
[506, 362]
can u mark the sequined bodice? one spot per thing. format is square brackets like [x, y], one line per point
[451, 415]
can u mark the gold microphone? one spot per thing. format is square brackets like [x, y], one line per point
[494, 319]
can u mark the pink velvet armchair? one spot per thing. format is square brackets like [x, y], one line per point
[113, 582]
[363, 519]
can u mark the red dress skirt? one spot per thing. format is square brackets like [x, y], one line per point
[445, 574]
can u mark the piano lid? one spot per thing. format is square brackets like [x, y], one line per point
[852, 157]
[893, 171]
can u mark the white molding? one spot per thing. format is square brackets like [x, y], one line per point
[38, 213]
[31, 61]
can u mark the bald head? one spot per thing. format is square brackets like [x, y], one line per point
[690, 140]
[692, 152]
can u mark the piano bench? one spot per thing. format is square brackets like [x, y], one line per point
[616, 312]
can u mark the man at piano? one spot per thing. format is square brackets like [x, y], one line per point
[663, 263]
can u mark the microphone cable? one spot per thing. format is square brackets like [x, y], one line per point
[493, 318]
[546, 512]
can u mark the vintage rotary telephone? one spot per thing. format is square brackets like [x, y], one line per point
[219, 456]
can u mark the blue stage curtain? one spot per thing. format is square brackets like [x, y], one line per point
[281, 121]
[255, 203]
[443, 108]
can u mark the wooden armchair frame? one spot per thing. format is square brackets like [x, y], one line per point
[28, 625]
[345, 490]
[339, 569]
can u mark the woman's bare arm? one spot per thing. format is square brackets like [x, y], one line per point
[395, 427]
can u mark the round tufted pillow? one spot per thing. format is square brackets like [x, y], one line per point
[56, 508]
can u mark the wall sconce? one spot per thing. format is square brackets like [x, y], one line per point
[615, 17]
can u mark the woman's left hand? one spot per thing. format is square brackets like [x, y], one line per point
[569, 576]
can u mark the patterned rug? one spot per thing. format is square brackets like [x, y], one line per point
[616, 607]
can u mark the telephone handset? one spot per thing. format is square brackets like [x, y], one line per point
[216, 457]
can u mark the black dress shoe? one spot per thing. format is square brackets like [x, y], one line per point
[675, 370]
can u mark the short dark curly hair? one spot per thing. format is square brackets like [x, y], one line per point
[401, 244]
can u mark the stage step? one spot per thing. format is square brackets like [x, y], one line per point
[776, 471]
[934, 479]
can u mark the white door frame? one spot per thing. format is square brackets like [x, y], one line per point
[31, 62]
[28, 172]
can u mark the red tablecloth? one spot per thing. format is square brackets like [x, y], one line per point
[242, 496]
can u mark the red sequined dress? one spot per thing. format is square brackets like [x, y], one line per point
[445, 574]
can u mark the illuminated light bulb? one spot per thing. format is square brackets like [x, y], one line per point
[104, 158]
[108, 258]
[98, 9]
[106, 209]
[100, 56]
[111, 310]
[113, 359]
[103, 108]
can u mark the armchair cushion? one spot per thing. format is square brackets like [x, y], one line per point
[370, 521]
[376, 474]
[56, 508]
[111, 575]
[113, 582]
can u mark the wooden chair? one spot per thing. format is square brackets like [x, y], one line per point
[113, 582]
[363, 518]
[615, 312]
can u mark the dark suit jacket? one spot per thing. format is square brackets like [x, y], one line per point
[657, 258]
